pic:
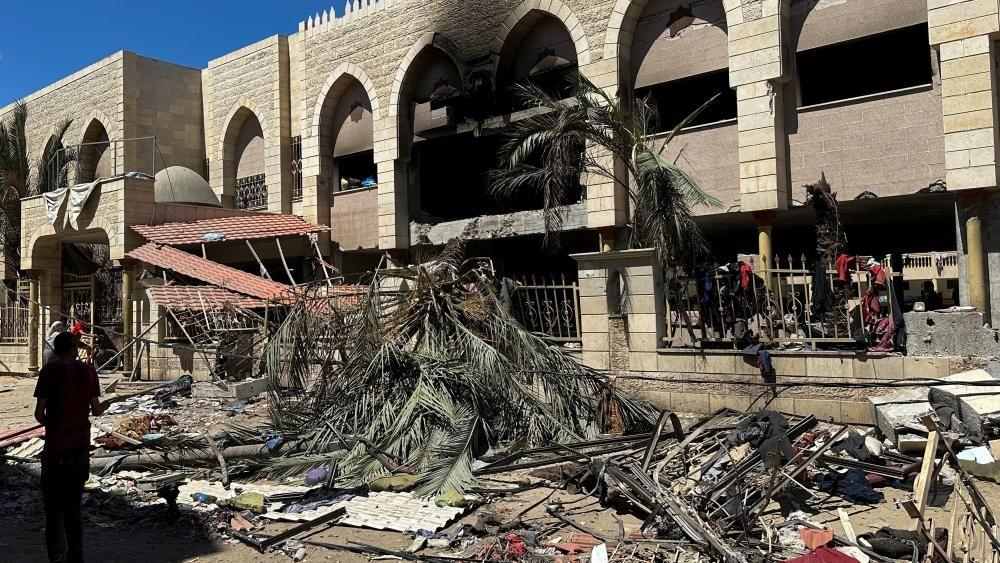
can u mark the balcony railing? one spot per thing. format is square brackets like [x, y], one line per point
[14, 313]
[930, 265]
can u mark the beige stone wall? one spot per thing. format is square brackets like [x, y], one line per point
[353, 219]
[964, 33]
[253, 79]
[710, 154]
[91, 93]
[888, 145]
[164, 100]
[730, 373]
[816, 23]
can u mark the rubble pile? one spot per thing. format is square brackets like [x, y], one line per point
[732, 486]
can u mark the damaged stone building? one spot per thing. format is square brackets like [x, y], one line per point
[367, 136]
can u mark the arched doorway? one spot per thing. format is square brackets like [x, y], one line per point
[346, 138]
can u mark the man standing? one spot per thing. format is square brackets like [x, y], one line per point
[67, 392]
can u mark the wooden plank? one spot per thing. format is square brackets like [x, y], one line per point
[845, 521]
[922, 485]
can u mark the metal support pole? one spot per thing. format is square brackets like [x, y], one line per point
[127, 327]
[33, 325]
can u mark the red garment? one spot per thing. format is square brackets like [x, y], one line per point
[77, 329]
[883, 330]
[745, 271]
[67, 387]
[843, 264]
[878, 275]
[824, 555]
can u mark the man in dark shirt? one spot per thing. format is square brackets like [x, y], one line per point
[68, 390]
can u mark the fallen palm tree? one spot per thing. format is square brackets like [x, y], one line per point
[428, 372]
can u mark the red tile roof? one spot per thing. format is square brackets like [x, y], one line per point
[234, 228]
[197, 296]
[196, 267]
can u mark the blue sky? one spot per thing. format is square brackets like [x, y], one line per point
[45, 40]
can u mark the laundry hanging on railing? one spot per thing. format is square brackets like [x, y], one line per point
[78, 196]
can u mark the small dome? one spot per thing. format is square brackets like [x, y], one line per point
[179, 184]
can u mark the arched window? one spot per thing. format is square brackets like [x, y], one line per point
[858, 48]
[539, 50]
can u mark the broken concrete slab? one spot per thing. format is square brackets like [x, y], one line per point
[965, 385]
[237, 390]
[950, 334]
[899, 409]
[975, 403]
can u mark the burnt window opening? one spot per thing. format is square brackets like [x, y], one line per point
[675, 100]
[454, 179]
[356, 171]
[872, 65]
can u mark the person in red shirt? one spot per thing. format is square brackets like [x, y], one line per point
[67, 391]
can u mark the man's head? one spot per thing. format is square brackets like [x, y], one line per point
[64, 345]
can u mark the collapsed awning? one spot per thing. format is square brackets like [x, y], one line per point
[196, 267]
[199, 297]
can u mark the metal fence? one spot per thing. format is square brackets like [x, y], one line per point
[14, 313]
[548, 304]
[782, 305]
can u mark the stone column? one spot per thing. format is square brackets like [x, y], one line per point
[963, 31]
[975, 255]
[765, 252]
[757, 72]
[33, 320]
[128, 274]
[629, 341]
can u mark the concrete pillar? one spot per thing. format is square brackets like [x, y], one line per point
[33, 320]
[758, 72]
[128, 274]
[614, 341]
[765, 222]
[975, 254]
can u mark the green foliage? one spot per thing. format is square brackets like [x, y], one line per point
[430, 369]
[52, 171]
[588, 133]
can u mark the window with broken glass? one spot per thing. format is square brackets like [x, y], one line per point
[251, 192]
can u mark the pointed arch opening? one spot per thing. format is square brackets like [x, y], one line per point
[539, 50]
[679, 58]
[96, 158]
[243, 161]
[346, 136]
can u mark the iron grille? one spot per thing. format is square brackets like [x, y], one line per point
[296, 168]
[548, 305]
[14, 313]
[251, 192]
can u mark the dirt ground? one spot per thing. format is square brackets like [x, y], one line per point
[117, 531]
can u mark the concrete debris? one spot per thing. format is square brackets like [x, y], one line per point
[957, 334]
[898, 410]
